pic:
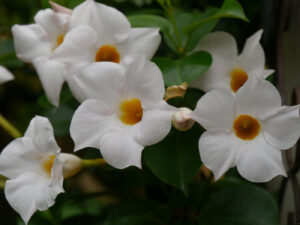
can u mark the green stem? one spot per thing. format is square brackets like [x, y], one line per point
[9, 128]
[93, 162]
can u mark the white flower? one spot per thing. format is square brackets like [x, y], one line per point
[246, 130]
[230, 70]
[124, 112]
[5, 75]
[35, 174]
[101, 33]
[36, 43]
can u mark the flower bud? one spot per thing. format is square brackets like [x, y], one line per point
[72, 164]
[181, 120]
[60, 9]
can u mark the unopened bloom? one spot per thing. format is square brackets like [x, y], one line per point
[182, 120]
[34, 172]
[246, 130]
[125, 111]
[5, 75]
[99, 34]
[230, 70]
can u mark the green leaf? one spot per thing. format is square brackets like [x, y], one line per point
[187, 69]
[229, 9]
[150, 21]
[239, 204]
[175, 160]
[7, 54]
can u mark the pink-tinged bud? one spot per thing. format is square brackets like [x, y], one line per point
[60, 9]
[181, 120]
[72, 164]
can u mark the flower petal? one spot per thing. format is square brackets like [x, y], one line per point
[103, 19]
[215, 110]
[5, 75]
[155, 124]
[252, 56]
[282, 130]
[90, 122]
[223, 49]
[259, 162]
[141, 41]
[144, 80]
[31, 41]
[218, 151]
[258, 97]
[30, 192]
[51, 74]
[121, 153]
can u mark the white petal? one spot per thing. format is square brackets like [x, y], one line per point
[5, 75]
[252, 56]
[141, 41]
[30, 192]
[90, 121]
[103, 19]
[41, 132]
[155, 124]
[54, 23]
[144, 81]
[258, 97]
[119, 149]
[282, 130]
[223, 49]
[103, 80]
[218, 151]
[259, 162]
[215, 110]
[51, 74]
[31, 41]
[261, 73]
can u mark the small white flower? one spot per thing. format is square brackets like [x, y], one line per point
[36, 43]
[5, 75]
[230, 70]
[35, 174]
[101, 33]
[246, 130]
[124, 112]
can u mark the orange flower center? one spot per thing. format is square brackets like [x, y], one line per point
[131, 111]
[238, 78]
[246, 127]
[107, 53]
[59, 40]
[48, 164]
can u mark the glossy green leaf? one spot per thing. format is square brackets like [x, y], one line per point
[175, 72]
[175, 160]
[239, 204]
[150, 21]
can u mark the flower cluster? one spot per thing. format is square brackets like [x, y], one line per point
[107, 66]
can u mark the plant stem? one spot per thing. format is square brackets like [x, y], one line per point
[93, 162]
[9, 128]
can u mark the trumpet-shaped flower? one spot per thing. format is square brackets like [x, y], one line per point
[230, 70]
[34, 172]
[99, 34]
[125, 111]
[5, 75]
[246, 130]
[36, 43]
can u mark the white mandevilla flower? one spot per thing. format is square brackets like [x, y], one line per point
[246, 130]
[5, 75]
[124, 112]
[34, 172]
[101, 33]
[230, 70]
[36, 43]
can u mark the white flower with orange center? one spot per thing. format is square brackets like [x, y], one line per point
[36, 43]
[230, 70]
[246, 130]
[5, 75]
[125, 111]
[34, 172]
[103, 34]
